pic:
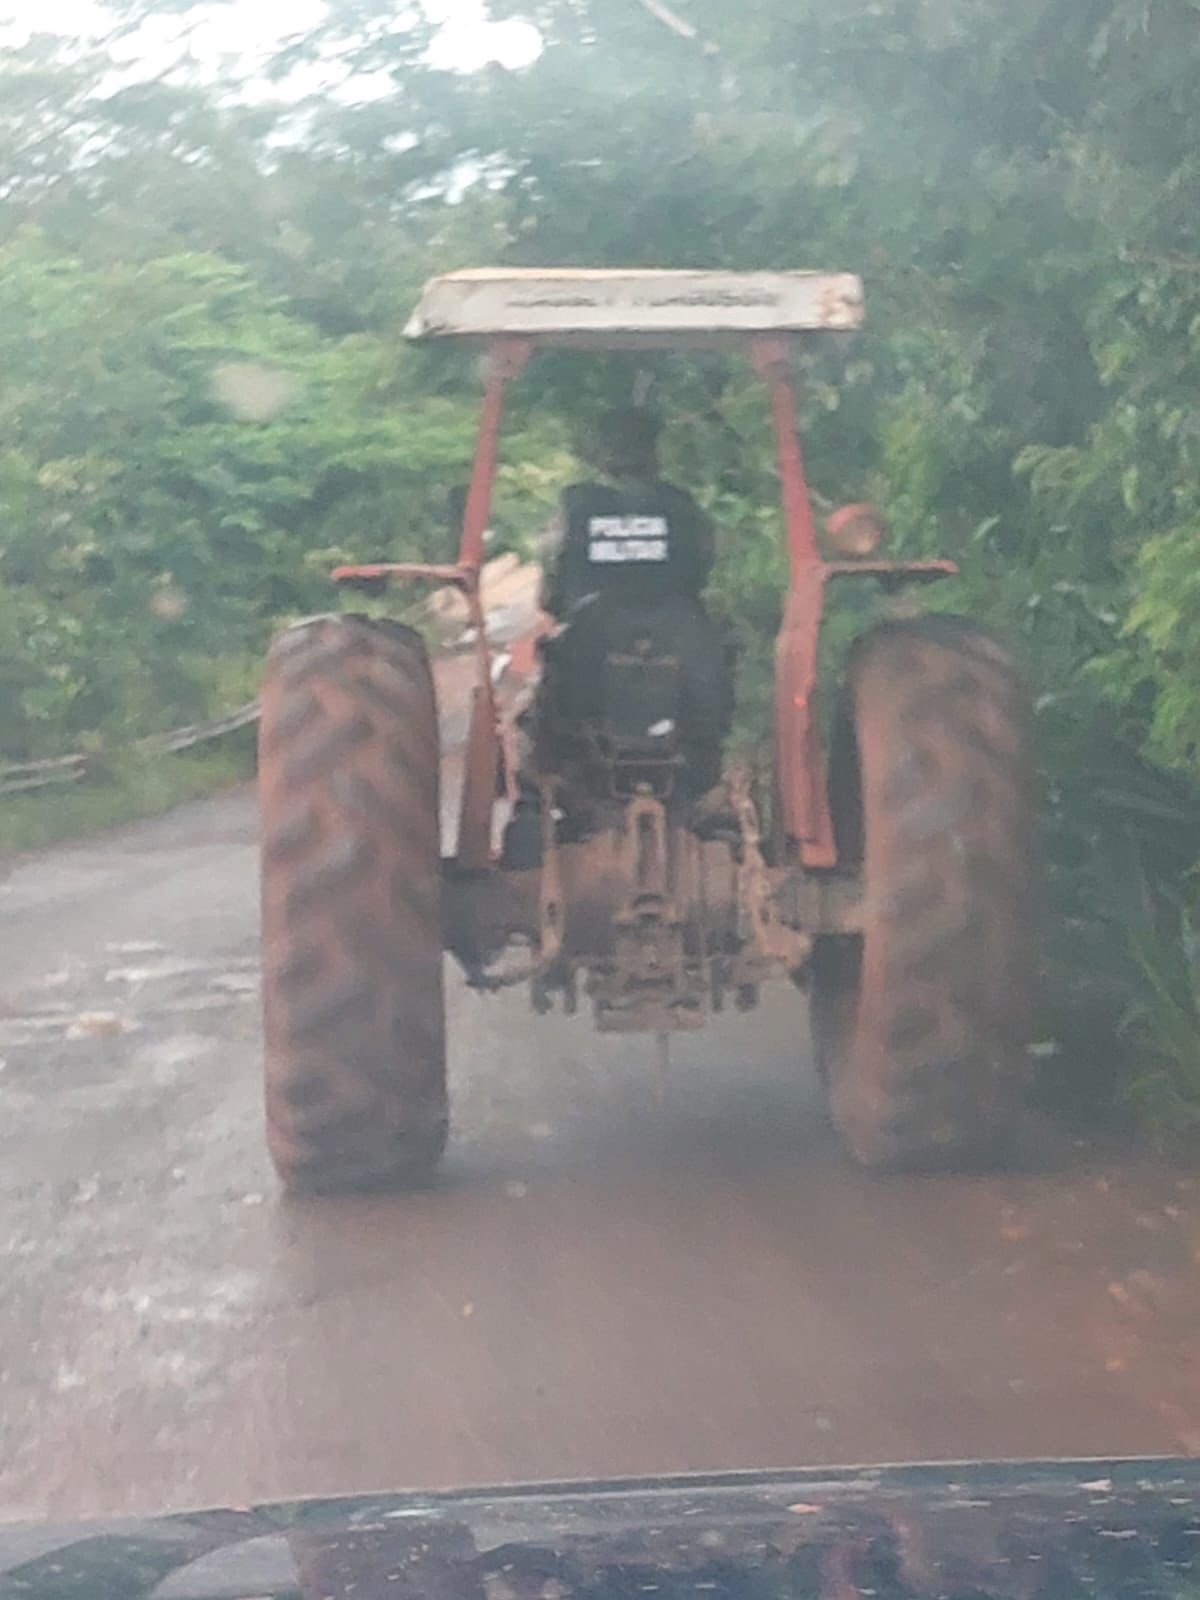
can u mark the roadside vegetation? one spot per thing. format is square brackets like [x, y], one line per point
[205, 398]
[129, 789]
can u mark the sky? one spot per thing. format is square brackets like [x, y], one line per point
[249, 29]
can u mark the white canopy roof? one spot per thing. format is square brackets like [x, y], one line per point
[611, 308]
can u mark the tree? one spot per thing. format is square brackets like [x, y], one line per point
[183, 460]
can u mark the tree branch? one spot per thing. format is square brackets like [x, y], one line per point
[677, 24]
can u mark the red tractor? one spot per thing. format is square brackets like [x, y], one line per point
[892, 880]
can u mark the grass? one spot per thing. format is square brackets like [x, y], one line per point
[138, 789]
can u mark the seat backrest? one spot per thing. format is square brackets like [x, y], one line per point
[643, 702]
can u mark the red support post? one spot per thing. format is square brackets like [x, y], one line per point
[482, 767]
[506, 358]
[772, 359]
[799, 758]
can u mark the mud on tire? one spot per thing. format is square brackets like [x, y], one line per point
[351, 886]
[922, 1024]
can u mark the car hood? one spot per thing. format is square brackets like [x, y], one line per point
[1127, 1528]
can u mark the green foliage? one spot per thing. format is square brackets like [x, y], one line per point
[140, 788]
[146, 512]
[1163, 1026]
[205, 399]
[183, 458]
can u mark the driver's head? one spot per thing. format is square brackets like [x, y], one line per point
[622, 443]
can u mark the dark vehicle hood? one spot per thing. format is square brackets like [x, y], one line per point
[1055, 1530]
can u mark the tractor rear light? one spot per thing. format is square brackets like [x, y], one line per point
[857, 531]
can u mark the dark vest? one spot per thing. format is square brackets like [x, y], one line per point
[637, 544]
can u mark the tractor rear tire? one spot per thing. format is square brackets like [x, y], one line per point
[922, 1024]
[351, 895]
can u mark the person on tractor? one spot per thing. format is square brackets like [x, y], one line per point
[631, 536]
[633, 558]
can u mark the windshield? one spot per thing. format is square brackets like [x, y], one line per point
[599, 714]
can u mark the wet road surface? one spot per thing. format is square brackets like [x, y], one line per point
[606, 1281]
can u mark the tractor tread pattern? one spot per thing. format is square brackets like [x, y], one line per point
[352, 922]
[931, 1067]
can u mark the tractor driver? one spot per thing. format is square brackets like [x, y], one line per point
[630, 537]
[632, 549]
[637, 552]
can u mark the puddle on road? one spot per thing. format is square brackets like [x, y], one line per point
[177, 967]
[110, 1001]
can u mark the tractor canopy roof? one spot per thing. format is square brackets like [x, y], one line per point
[621, 309]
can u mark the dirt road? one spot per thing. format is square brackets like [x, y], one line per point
[606, 1282]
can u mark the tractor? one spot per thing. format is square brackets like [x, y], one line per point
[884, 867]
